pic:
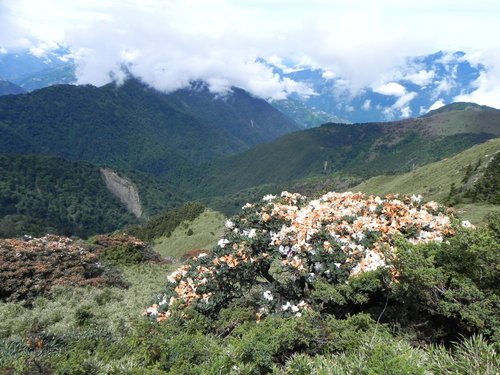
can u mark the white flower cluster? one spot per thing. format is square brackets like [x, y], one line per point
[295, 309]
[349, 218]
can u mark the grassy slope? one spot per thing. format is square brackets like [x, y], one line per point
[207, 229]
[433, 181]
[112, 308]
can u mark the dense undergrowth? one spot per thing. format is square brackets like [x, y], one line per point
[164, 224]
[432, 309]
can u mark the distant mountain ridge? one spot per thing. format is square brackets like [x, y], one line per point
[34, 71]
[419, 84]
[134, 126]
[362, 150]
[9, 88]
[459, 106]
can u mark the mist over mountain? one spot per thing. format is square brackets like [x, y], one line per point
[420, 84]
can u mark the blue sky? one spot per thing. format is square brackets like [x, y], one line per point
[169, 43]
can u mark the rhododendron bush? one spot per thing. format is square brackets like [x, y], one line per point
[278, 255]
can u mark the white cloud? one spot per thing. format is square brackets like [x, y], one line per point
[327, 74]
[404, 100]
[437, 104]
[487, 85]
[391, 88]
[406, 112]
[421, 78]
[401, 107]
[172, 42]
[367, 105]
[443, 86]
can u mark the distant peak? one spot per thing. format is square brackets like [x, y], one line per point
[458, 106]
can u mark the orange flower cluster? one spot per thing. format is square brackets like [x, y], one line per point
[348, 217]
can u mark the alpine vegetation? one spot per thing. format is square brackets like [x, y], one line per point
[281, 255]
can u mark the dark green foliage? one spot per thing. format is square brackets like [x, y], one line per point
[487, 188]
[449, 289]
[123, 250]
[133, 126]
[42, 194]
[155, 194]
[164, 224]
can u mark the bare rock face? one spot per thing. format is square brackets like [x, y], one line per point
[124, 190]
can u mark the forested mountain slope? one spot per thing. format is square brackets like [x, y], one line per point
[133, 126]
[362, 150]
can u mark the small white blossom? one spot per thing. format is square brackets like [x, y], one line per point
[416, 198]
[229, 224]
[284, 249]
[222, 242]
[268, 295]
[268, 197]
[152, 311]
[252, 233]
[467, 224]
[286, 306]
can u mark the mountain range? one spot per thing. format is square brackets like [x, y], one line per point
[133, 126]
[9, 88]
[195, 145]
[359, 150]
[419, 84]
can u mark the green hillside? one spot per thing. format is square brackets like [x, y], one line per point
[201, 233]
[458, 106]
[362, 150]
[135, 127]
[434, 181]
[44, 194]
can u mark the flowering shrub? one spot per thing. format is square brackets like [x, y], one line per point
[30, 267]
[277, 254]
